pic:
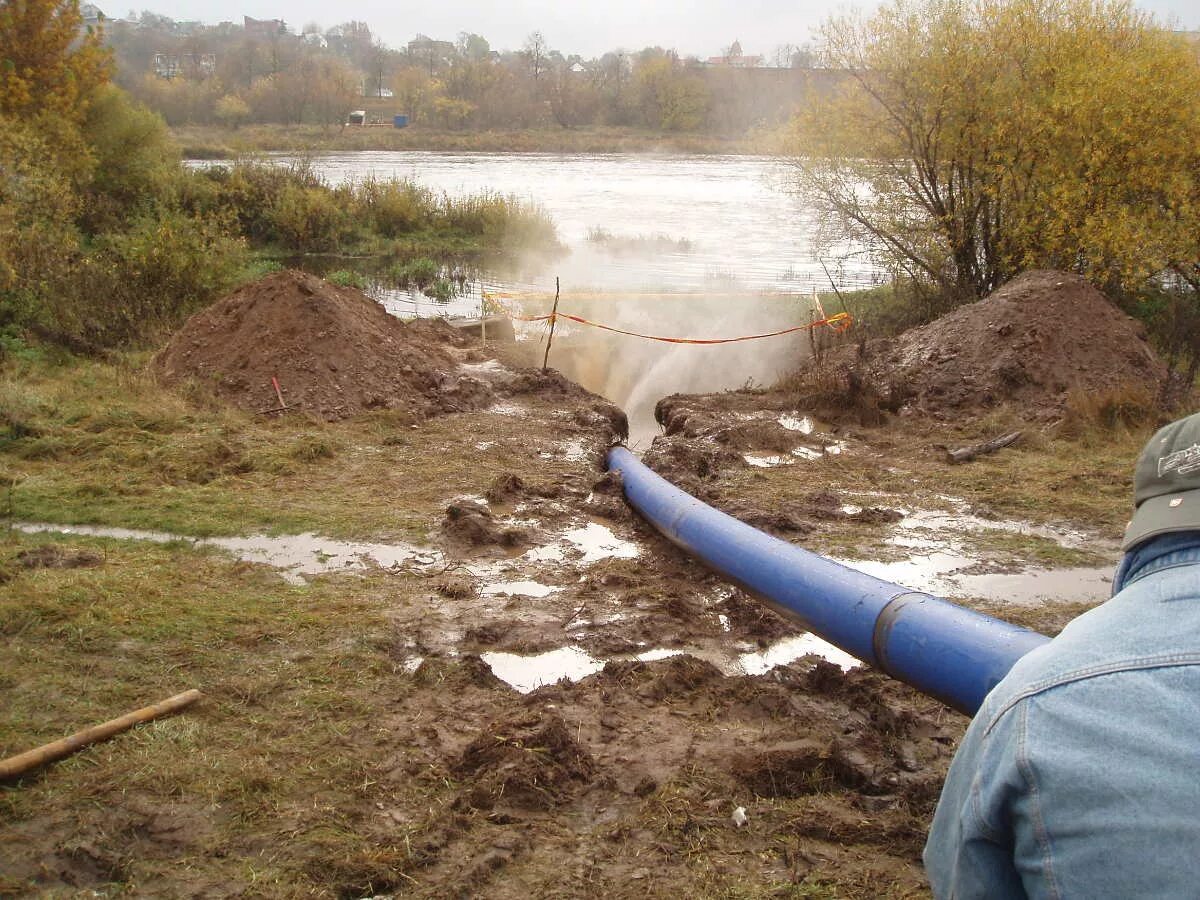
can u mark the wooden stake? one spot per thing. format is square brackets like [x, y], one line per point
[553, 320]
[966, 454]
[48, 753]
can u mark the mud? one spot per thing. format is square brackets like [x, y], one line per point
[562, 703]
[337, 353]
[1039, 341]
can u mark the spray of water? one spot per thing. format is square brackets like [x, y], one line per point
[636, 373]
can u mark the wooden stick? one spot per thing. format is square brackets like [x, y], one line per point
[553, 319]
[966, 454]
[48, 753]
[278, 392]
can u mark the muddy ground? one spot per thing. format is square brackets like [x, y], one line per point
[395, 724]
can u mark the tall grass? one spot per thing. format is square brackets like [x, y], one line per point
[290, 207]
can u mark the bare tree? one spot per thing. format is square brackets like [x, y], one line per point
[535, 54]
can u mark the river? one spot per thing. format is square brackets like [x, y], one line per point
[690, 246]
[728, 223]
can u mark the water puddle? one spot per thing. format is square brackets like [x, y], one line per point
[487, 368]
[791, 649]
[527, 673]
[804, 424]
[597, 542]
[295, 555]
[520, 589]
[768, 462]
[507, 409]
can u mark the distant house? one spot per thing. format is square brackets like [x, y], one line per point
[263, 27]
[734, 62]
[424, 45]
[316, 39]
[184, 65]
[92, 15]
[374, 90]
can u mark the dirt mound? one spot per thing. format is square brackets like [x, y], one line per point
[334, 351]
[1033, 342]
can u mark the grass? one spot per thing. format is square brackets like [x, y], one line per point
[100, 443]
[1081, 481]
[292, 679]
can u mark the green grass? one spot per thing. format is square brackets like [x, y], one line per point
[88, 442]
[281, 752]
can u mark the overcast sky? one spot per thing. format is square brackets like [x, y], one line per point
[692, 27]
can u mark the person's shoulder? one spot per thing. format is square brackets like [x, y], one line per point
[1132, 630]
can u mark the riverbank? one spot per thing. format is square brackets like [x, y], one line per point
[211, 142]
[384, 605]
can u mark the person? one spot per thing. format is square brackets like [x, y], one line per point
[1080, 774]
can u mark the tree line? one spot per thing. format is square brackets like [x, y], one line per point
[233, 74]
[976, 139]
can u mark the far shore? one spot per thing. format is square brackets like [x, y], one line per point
[211, 142]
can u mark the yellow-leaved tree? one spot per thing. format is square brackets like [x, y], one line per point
[972, 139]
[49, 64]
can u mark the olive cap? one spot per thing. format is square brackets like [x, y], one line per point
[1166, 483]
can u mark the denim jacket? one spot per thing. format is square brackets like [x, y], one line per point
[1080, 774]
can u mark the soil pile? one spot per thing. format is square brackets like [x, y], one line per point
[334, 351]
[1033, 342]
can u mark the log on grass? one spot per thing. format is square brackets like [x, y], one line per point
[966, 454]
[32, 759]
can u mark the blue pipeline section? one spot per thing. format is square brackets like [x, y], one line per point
[944, 650]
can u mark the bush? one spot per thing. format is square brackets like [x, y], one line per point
[416, 272]
[347, 278]
[308, 219]
[136, 285]
[134, 159]
[392, 207]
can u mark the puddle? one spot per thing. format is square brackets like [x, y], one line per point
[939, 556]
[488, 367]
[768, 462]
[527, 673]
[598, 542]
[520, 589]
[1035, 587]
[804, 424]
[789, 650]
[507, 409]
[572, 451]
[655, 655]
[296, 555]
[549, 553]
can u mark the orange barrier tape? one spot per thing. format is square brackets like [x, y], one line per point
[839, 322]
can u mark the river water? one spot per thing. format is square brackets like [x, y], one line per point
[729, 223]
[668, 245]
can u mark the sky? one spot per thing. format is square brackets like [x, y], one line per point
[692, 27]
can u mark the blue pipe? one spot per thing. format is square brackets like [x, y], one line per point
[944, 650]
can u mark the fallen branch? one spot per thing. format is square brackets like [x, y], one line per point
[48, 753]
[966, 454]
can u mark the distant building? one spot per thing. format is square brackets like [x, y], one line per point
[184, 65]
[425, 46]
[263, 27]
[92, 15]
[734, 62]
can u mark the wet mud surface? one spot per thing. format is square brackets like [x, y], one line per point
[563, 704]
